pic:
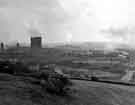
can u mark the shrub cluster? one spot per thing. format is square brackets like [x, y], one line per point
[50, 81]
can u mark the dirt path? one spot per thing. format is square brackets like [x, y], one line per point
[128, 76]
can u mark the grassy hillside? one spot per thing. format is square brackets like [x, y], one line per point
[93, 60]
[17, 91]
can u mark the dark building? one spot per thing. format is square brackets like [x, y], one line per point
[36, 42]
[17, 45]
[2, 46]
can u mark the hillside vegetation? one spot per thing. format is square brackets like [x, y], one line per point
[17, 91]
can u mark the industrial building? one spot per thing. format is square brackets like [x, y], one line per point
[36, 42]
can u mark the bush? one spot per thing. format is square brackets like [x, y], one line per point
[57, 84]
[51, 81]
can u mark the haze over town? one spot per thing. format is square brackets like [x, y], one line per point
[68, 20]
[67, 52]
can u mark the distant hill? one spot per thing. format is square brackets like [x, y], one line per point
[93, 46]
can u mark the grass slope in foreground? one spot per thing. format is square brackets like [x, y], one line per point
[15, 91]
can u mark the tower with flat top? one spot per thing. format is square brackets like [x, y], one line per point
[36, 42]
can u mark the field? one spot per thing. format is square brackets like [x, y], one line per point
[15, 91]
[72, 62]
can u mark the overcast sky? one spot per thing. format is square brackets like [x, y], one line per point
[67, 20]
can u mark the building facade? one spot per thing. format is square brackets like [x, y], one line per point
[36, 42]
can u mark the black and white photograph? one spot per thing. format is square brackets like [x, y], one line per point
[67, 52]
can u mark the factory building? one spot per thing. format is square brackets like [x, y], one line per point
[36, 42]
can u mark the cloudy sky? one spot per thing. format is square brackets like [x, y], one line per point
[67, 20]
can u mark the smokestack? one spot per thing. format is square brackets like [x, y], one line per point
[35, 33]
